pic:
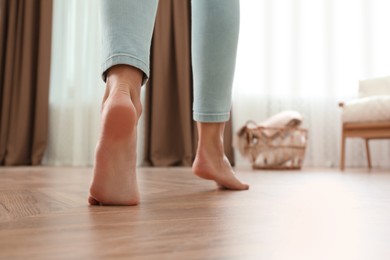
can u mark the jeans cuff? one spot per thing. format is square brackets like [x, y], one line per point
[125, 59]
[211, 117]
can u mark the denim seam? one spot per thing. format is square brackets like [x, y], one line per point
[211, 117]
[212, 114]
[138, 63]
[124, 54]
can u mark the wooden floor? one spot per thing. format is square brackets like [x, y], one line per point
[312, 214]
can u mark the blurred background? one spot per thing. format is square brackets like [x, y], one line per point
[303, 55]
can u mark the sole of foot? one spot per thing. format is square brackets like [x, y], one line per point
[115, 180]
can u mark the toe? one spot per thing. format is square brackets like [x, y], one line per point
[232, 184]
[93, 201]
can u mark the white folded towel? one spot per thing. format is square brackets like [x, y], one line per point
[286, 118]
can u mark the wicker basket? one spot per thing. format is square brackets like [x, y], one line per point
[271, 147]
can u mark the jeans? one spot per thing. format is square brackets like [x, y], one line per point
[127, 32]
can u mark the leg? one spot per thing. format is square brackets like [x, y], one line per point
[368, 153]
[342, 160]
[215, 27]
[127, 32]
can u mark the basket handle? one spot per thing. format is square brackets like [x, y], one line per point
[251, 122]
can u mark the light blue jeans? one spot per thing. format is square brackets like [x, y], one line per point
[126, 37]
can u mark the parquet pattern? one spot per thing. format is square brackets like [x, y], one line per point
[310, 214]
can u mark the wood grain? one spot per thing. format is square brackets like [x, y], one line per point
[365, 130]
[310, 214]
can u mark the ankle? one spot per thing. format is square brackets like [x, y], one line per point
[127, 80]
[124, 85]
[210, 136]
[124, 75]
[210, 148]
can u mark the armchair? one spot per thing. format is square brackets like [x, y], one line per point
[367, 116]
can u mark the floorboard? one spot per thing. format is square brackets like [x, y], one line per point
[309, 214]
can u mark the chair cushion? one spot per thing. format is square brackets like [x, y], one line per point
[374, 87]
[368, 109]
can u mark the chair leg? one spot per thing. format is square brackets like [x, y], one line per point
[342, 158]
[368, 153]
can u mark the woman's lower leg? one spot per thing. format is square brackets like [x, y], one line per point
[215, 27]
[127, 27]
[115, 180]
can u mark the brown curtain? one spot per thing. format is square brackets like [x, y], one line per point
[25, 40]
[171, 136]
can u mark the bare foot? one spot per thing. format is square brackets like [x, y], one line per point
[115, 181]
[211, 162]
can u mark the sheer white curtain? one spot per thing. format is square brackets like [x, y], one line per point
[308, 55]
[76, 87]
[305, 55]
